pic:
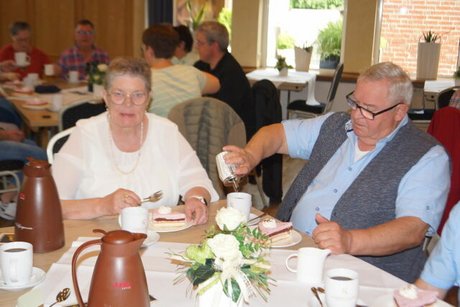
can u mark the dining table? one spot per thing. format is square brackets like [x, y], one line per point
[161, 271]
[294, 81]
[35, 108]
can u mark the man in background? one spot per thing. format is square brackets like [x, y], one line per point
[21, 34]
[212, 40]
[184, 53]
[84, 51]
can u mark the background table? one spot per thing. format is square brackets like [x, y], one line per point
[294, 81]
[43, 121]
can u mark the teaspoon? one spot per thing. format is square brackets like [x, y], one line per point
[61, 296]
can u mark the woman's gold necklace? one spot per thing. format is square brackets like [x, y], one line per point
[112, 155]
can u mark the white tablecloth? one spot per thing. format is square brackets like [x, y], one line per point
[160, 273]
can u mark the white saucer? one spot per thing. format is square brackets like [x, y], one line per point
[25, 64]
[152, 237]
[38, 275]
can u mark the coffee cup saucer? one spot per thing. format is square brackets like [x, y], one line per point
[38, 275]
[152, 237]
[21, 65]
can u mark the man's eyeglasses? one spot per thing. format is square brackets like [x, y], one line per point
[83, 32]
[365, 112]
[119, 97]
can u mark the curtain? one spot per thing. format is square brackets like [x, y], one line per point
[160, 11]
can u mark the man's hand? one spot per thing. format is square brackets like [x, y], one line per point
[14, 135]
[240, 158]
[332, 236]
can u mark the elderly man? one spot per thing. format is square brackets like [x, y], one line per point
[84, 51]
[212, 42]
[21, 34]
[365, 190]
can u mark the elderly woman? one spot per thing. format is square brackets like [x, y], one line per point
[114, 159]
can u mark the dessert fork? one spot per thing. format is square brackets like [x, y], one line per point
[153, 198]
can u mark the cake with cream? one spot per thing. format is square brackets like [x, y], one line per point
[165, 217]
[411, 296]
[275, 230]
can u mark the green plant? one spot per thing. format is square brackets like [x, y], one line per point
[196, 15]
[225, 18]
[281, 63]
[233, 255]
[307, 47]
[316, 4]
[330, 40]
[431, 37]
[284, 41]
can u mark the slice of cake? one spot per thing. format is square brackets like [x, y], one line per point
[411, 296]
[275, 230]
[163, 217]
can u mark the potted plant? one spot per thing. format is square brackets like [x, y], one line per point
[303, 57]
[428, 52]
[329, 42]
[282, 66]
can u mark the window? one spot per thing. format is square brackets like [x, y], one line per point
[297, 23]
[402, 23]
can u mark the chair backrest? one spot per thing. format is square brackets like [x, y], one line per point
[265, 105]
[208, 124]
[444, 127]
[56, 142]
[70, 114]
[444, 97]
[334, 86]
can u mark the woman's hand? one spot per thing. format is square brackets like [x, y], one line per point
[121, 198]
[195, 210]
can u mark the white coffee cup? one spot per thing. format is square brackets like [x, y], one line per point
[241, 201]
[73, 76]
[33, 78]
[49, 69]
[21, 58]
[310, 264]
[134, 219]
[56, 102]
[16, 260]
[342, 287]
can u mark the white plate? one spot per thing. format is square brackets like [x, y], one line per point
[152, 237]
[388, 301]
[170, 229]
[36, 106]
[25, 64]
[38, 275]
[293, 240]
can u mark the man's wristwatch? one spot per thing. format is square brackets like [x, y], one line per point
[200, 198]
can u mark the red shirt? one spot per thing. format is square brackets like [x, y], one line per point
[38, 59]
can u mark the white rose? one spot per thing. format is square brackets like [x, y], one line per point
[102, 67]
[225, 247]
[229, 217]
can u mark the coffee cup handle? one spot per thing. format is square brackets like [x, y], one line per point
[287, 263]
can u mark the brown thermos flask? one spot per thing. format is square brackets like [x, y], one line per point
[39, 214]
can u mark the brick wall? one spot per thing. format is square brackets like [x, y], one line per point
[402, 29]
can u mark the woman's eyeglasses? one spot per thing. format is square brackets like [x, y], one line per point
[119, 97]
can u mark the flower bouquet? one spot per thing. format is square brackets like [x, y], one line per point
[96, 74]
[231, 258]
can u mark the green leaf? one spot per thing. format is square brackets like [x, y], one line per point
[200, 274]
